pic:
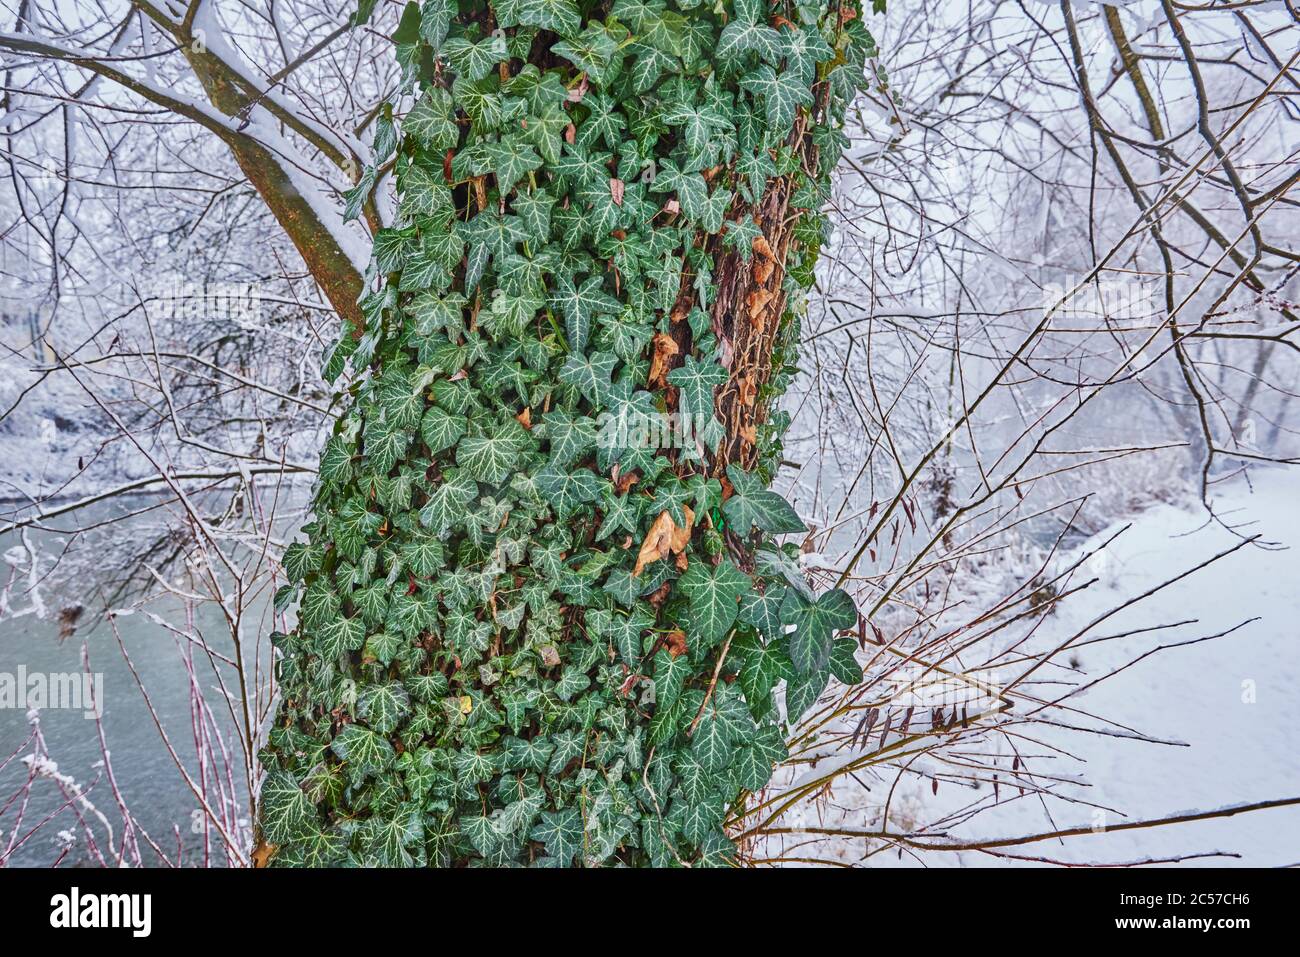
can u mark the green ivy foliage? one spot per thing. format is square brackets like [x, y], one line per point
[479, 674]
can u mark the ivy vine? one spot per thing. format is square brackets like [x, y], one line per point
[534, 625]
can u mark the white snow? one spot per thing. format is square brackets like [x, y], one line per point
[1234, 701]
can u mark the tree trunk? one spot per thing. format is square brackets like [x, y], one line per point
[543, 610]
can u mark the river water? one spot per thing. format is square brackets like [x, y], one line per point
[147, 776]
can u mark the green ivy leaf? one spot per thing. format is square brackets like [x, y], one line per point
[743, 36]
[567, 491]
[490, 458]
[755, 761]
[423, 556]
[696, 381]
[814, 626]
[435, 20]
[336, 461]
[590, 375]
[752, 504]
[475, 61]
[384, 706]
[591, 51]
[383, 647]
[534, 209]
[386, 443]
[802, 692]
[301, 559]
[441, 429]
[362, 750]
[661, 28]
[740, 236]
[482, 833]
[712, 593]
[432, 121]
[340, 635]
[528, 754]
[511, 160]
[764, 666]
[802, 50]
[391, 247]
[570, 437]
[448, 502]
[287, 814]
[558, 16]
[391, 837]
[763, 609]
[579, 304]
[670, 673]
[579, 166]
[572, 681]
[844, 663]
[562, 834]
[625, 632]
[781, 93]
[712, 745]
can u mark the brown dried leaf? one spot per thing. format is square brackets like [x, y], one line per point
[682, 536]
[661, 359]
[757, 301]
[616, 190]
[263, 853]
[628, 683]
[664, 539]
[675, 642]
[760, 246]
[746, 390]
[525, 418]
[660, 595]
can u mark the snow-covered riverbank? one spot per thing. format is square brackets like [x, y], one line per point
[1231, 703]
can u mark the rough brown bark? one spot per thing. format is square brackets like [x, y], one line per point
[748, 312]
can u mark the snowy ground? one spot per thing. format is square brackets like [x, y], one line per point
[1233, 702]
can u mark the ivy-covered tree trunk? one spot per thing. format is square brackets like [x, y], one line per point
[543, 609]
